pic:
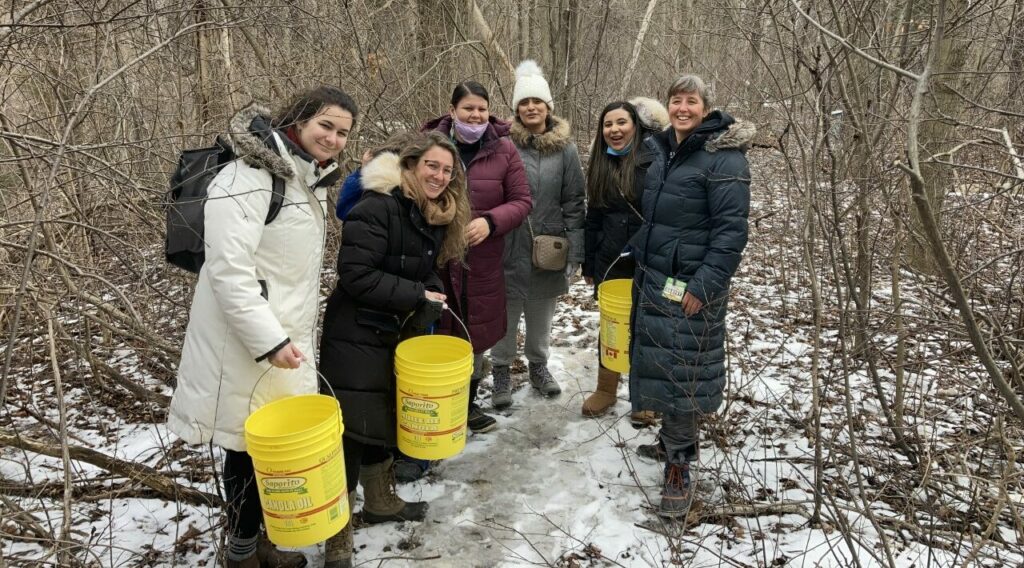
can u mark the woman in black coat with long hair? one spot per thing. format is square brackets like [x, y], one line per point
[615, 181]
[410, 220]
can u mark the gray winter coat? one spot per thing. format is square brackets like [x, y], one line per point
[696, 202]
[556, 184]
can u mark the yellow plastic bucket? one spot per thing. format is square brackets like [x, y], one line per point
[615, 299]
[295, 444]
[433, 395]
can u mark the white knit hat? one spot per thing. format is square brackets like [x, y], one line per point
[530, 82]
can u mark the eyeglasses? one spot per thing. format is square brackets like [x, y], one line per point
[436, 167]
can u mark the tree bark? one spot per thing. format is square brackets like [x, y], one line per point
[213, 64]
[937, 132]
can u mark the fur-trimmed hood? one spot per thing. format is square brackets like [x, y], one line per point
[653, 115]
[250, 137]
[738, 136]
[383, 173]
[552, 140]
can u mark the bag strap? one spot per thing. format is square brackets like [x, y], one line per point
[629, 203]
[276, 200]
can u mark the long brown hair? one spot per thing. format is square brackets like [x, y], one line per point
[607, 177]
[454, 245]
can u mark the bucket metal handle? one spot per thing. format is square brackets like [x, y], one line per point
[320, 377]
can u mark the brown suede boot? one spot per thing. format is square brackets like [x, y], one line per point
[380, 501]
[644, 418]
[250, 562]
[270, 557]
[604, 397]
[338, 550]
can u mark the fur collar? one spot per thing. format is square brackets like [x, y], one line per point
[251, 138]
[652, 114]
[382, 174]
[738, 136]
[553, 140]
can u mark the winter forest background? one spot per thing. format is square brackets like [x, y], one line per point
[877, 338]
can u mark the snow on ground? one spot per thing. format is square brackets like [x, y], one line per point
[552, 488]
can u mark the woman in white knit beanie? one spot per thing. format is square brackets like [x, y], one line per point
[553, 168]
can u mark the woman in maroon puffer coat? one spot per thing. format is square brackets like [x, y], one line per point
[499, 194]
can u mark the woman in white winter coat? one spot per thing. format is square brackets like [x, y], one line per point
[253, 320]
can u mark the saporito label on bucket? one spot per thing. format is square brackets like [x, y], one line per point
[284, 485]
[418, 405]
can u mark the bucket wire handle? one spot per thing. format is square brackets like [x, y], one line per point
[618, 258]
[319, 375]
[458, 319]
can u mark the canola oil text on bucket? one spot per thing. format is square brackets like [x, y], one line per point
[295, 444]
[615, 300]
[432, 373]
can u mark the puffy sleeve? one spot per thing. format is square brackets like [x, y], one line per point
[573, 202]
[517, 202]
[236, 208]
[729, 208]
[364, 244]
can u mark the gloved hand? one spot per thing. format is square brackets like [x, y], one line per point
[571, 270]
[425, 315]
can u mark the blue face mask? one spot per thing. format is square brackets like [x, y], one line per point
[613, 152]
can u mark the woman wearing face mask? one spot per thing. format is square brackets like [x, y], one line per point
[696, 202]
[499, 195]
[410, 220]
[615, 181]
[253, 319]
[553, 167]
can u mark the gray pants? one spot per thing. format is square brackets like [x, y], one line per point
[680, 435]
[478, 366]
[538, 315]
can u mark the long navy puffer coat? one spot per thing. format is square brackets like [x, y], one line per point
[696, 202]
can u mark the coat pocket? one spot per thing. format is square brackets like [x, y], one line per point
[385, 324]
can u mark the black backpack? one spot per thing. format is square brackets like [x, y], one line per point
[184, 246]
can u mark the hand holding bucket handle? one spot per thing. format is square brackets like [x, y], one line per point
[319, 375]
[287, 357]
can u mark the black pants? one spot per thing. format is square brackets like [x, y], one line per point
[244, 513]
[358, 454]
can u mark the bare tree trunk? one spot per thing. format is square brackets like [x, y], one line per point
[682, 34]
[213, 64]
[637, 46]
[937, 132]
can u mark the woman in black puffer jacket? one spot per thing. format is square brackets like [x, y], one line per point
[410, 220]
[615, 181]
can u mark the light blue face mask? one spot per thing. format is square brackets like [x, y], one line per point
[613, 152]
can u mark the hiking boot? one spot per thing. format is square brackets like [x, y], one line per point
[677, 493]
[501, 395]
[655, 451]
[644, 418]
[542, 380]
[338, 549]
[270, 557]
[605, 396]
[479, 422]
[381, 503]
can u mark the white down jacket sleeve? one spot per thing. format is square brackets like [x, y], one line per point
[236, 210]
